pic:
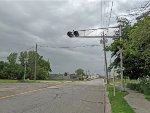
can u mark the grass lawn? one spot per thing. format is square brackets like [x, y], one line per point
[118, 103]
[147, 97]
[18, 81]
[8, 81]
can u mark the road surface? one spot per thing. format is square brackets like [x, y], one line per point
[76, 97]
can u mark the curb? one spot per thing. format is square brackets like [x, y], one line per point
[107, 102]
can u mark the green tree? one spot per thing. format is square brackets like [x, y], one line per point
[23, 56]
[12, 58]
[3, 70]
[80, 73]
[43, 67]
[65, 74]
[139, 45]
[12, 68]
[15, 70]
[136, 48]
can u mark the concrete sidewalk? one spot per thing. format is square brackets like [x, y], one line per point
[138, 102]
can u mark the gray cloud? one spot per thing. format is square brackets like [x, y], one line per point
[25, 23]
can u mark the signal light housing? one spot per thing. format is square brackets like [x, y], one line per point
[69, 33]
[76, 34]
[73, 34]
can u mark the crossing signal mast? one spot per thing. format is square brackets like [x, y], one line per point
[75, 34]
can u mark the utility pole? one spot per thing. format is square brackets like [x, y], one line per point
[35, 65]
[106, 69]
[109, 70]
[121, 62]
[25, 66]
[114, 86]
[48, 68]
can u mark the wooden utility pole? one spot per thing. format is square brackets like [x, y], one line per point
[121, 61]
[25, 69]
[35, 65]
[106, 69]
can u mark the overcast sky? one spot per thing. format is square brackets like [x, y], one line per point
[23, 23]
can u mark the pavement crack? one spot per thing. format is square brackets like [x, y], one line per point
[92, 101]
[57, 96]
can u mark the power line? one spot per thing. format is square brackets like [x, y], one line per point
[29, 48]
[146, 5]
[69, 47]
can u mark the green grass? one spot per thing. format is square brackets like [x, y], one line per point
[147, 97]
[8, 81]
[118, 103]
[17, 81]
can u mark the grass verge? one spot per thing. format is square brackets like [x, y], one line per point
[118, 103]
[18, 81]
[8, 81]
[147, 97]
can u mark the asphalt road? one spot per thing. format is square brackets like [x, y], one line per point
[76, 97]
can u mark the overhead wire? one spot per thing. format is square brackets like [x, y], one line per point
[69, 47]
[139, 11]
[146, 5]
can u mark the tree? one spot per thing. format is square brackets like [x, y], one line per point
[65, 74]
[15, 70]
[139, 45]
[44, 68]
[80, 73]
[136, 48]
[23, 56]
[12, 58]
[3, 70]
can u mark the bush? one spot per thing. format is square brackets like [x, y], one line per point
[146, 88]
[143, 87]
[138, 87]
[135, 86]
[132, 86]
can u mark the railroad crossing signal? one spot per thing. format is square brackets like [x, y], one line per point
[73, 34]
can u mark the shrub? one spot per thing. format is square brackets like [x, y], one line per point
[143, 87]
[146, 88]
[132, 86]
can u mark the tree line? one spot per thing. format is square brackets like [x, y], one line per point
[136, 47]
[14, 67]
